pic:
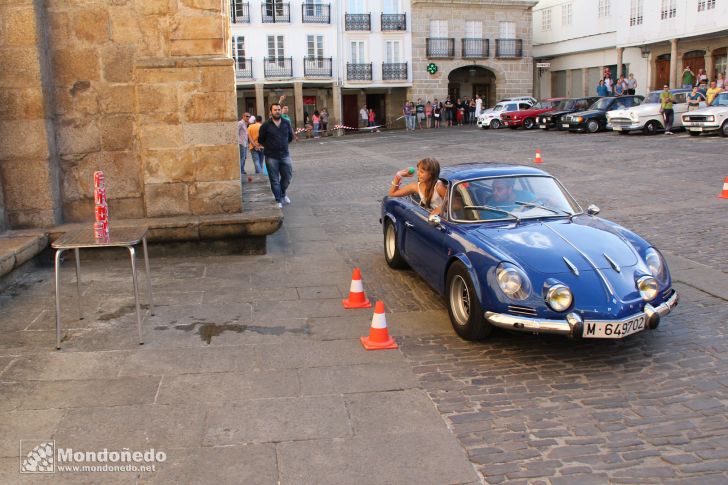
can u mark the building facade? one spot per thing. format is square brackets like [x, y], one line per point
[472, 47]
[652, 39]
[339, 55]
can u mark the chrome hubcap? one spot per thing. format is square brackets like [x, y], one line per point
[460, 300]
[391, 243]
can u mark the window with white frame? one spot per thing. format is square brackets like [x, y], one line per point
[546, 19]
[390, 7]
[355, 6]
[604, 8]
[239, 51]
[276, 50]
[438, 28]
[392, 52]
[358, 51]
[315, 45]
[313, 8]
[507, 39]
[668, 9]
[636, 12]
[567, 13]
[507, 30]
[704, 5]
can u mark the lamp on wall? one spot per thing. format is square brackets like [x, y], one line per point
[645, 51]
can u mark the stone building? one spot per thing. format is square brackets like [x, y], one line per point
[142, 89]
[477, 46]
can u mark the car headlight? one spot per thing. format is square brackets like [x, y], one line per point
[512, 281]
[656, 264]
[579, 119]
[710, 118]
[648, 288]
[559, 297]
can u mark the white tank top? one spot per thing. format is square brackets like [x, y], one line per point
[436, 200]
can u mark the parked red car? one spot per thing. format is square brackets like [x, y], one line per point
[527, 117]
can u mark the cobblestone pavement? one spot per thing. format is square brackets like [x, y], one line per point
[538, 409]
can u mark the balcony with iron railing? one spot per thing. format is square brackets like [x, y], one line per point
[394, 71]
[276, 13]
[440, 47]
[394, 21]
[319, 67]
[476, 48]
[509, 48]
[359, 72]
[277, 67]
[315, 13]
[239, 12]
[243, 68]
[358, 21]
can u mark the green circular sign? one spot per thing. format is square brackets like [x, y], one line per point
[432, 68]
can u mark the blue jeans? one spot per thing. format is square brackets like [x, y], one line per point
[280, 173]
[315, 129]
[257, 160]
[243, 156]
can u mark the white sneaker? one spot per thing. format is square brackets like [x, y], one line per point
[668, 133]
[286, 200]
[280, 206]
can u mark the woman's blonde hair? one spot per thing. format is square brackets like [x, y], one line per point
[431, 166]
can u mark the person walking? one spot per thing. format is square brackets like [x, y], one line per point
[668, 115]
[256, 149]
[243, 140]
[275, 135]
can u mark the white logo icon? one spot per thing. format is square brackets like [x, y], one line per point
[40, 459]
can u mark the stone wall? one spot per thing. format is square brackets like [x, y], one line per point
[141, 89]
[514, 77]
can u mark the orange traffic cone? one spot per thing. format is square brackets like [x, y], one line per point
[724, 193]
[538, 158]
[357, 297]
[378, 338]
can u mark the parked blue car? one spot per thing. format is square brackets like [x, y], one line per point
[513, 249]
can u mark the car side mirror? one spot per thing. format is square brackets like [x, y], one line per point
[593, 210]
[434, 220]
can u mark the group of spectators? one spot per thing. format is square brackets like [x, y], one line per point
[700, 83]
[436, 114]
[621, 87]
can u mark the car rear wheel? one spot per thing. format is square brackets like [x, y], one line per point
[529, 123]
[592, 126]
[495, 124]
[391, 247]
[693, 133]
[651, 127]
[463, 306]
[724, 129]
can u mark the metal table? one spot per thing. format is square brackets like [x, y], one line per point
[125, 237]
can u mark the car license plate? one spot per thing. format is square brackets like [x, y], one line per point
[542, 126]
[614, 329]
[565, 125]
[617, 128]
[696, 128]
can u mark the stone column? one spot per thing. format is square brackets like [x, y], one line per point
[709, 64]
[585, 82]
[620, 54]
[29, 170]
[298, 98]
[260, 100]
[335, 115]
[673, 63]
[569, 73]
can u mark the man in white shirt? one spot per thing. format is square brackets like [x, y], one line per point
[478, 106]
[363, 116]
[243, 139]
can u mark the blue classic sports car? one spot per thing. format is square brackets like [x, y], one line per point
[513, 249]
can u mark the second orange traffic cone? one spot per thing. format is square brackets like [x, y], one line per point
[724, 192]
[378, 338]
[357, 297]
[538, 158]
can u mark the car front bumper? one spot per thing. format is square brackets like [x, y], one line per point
[628, 127]
[573, 325]
[701, 128]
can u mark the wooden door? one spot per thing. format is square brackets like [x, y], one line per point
[351, 111]
[662, 73]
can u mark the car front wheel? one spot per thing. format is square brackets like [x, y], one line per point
[724, 128]
[495, 124]
[391, 247]
[592, 126]
[528, 123]
[463, 306]
[651, 127]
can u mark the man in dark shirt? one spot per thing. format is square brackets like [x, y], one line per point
[275, 135]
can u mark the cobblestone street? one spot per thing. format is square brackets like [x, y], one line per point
[251, 371]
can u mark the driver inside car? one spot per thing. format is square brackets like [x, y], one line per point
[503, 195]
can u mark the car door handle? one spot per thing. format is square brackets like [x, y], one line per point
[408, 224]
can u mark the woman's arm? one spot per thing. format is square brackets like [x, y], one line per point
[396, 190]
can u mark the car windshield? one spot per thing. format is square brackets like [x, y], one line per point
[544, 105]
[720, 100]
[601, 104]
[652, 98]
[510, 198]
[566, 104]
[499, 107]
